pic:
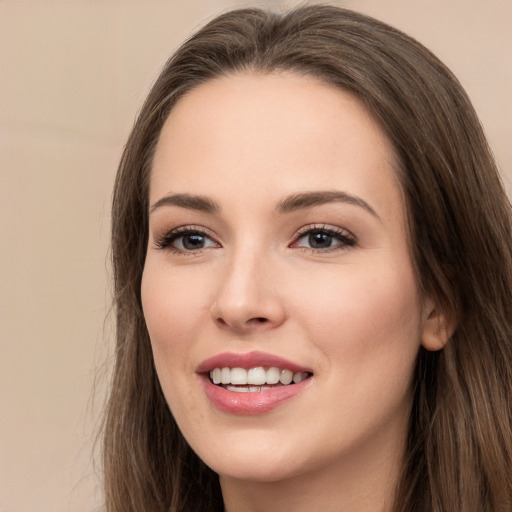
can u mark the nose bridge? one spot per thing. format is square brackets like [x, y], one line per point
[247, 296]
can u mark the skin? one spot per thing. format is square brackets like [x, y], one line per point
[350, 312]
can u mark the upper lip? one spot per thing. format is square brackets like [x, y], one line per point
[249, 360]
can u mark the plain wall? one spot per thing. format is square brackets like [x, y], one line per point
[72, 77]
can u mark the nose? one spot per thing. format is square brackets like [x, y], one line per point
[248, 297]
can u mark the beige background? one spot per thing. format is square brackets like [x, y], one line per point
[72, 76]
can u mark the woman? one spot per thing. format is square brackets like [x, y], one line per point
[311, 250]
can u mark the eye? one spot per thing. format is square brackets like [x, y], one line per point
[324, 239]
[185, 240]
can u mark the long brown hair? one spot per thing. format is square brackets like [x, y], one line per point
[459, 449]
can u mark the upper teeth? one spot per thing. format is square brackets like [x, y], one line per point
[255, 376]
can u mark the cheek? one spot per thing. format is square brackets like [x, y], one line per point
[361, 317]
[172, 301]
[368, 329]
[172, 311]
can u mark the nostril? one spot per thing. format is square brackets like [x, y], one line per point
[257, 320]
[239, 321]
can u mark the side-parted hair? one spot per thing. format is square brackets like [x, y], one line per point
[459, 448]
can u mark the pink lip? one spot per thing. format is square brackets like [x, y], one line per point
[250, 404]
[248, 360]
[258, 402]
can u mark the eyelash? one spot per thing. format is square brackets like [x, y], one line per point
[165, 241]
[345, 239]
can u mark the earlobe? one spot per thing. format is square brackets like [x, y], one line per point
[438, 327]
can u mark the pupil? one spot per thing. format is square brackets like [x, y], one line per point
[320, 240]
[193, 241]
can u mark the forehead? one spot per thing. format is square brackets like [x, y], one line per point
[265, 104]
[277, 131]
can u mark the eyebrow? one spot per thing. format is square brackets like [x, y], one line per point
[304, 200]
[292, 203]
[191, 202]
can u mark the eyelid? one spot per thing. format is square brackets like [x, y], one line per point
[324, 227]
[345, 236]
[165, 240]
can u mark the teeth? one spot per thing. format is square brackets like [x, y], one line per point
[238, 389]
[254, 379]
[238, 376]
[257, 376]
[225, 376]
[286, 377]
[216, 375]
[273, 375]
[298, 377]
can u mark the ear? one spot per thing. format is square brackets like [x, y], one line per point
[438, 326]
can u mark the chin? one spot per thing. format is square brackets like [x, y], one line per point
[256, 462]
[265, 472]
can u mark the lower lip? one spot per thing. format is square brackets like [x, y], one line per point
[251, 403]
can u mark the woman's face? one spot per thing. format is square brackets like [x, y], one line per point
[278, 250]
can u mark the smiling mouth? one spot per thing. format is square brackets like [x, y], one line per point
[255, 379]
